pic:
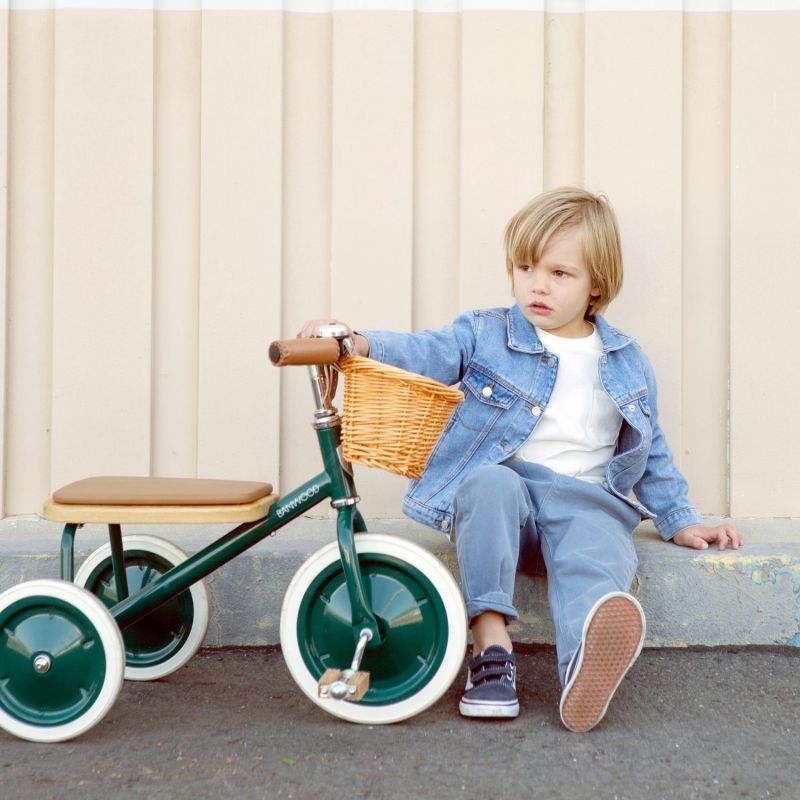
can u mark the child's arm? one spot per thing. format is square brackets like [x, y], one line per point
[663, 489]
[441, 355]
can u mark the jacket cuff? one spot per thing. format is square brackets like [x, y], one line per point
[678, 520]
[376, 351]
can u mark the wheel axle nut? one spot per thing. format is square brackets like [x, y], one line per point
[42, 663]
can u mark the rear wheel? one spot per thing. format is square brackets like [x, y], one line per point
[162, 642]
[420, 614]
[61, 661]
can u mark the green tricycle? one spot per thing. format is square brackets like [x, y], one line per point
[373, 627]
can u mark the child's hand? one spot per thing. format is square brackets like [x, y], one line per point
[700, 536]
[311, 327]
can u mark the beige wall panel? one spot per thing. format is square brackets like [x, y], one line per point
[240, 223]
[183, 187]
[306, 226]
[372, 150]
[765, 280]
[502, 63]
[176, 243]
[633, 154]
[372, 190]
[706, 256]
[563, 99]
[102, 243]
[4, 207]
[437, 117]
[30, 260]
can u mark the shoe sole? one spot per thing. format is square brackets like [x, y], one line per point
[612, 640]
[488, 712]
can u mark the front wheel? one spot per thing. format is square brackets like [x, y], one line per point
[420, 613]
[163, 641]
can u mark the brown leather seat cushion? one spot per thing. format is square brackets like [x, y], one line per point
[113, 490]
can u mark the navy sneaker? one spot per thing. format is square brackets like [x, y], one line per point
[491, 689]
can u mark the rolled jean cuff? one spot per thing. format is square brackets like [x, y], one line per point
[492, 602]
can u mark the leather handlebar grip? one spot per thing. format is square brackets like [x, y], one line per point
[286, 352]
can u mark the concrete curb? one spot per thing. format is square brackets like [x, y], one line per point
[744, 597]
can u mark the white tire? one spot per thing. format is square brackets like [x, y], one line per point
[61, 661]
[399, 574]
[149, 664]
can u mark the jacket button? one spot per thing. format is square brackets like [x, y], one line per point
[536, 411]
[631, 407]
[486, 391]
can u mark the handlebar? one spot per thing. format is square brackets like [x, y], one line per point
[287, 352]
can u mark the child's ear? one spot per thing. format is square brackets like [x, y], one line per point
[594, 296]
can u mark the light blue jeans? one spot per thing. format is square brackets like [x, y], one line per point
[512, 517]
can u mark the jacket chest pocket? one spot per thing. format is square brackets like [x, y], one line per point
[485, 399]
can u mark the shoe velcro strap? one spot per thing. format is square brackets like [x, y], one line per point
[488, 673]
[490, 658]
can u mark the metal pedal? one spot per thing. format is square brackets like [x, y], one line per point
[349, 684]
[334, 685]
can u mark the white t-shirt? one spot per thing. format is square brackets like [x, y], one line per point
[577, 433]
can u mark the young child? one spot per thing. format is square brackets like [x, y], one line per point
[558, 428]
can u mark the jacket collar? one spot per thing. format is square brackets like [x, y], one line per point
[611, 338]
[522, 335]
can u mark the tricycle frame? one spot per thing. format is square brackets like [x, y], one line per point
[335, 483]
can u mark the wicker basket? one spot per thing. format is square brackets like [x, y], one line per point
[392, 418]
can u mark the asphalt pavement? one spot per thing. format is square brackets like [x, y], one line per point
[685, 723]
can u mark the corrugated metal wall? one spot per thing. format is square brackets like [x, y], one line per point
[182, 186]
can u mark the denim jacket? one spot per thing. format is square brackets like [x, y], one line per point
[507, 377]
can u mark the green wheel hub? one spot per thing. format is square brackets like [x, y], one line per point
[52, 663]
[154, 638]
[411, 616]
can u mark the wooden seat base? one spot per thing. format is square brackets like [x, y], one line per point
[124, 499]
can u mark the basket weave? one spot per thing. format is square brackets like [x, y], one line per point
[392, 418]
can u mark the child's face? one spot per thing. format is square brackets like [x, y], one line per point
[555, 293]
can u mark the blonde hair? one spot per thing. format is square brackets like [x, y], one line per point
[551, 212]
